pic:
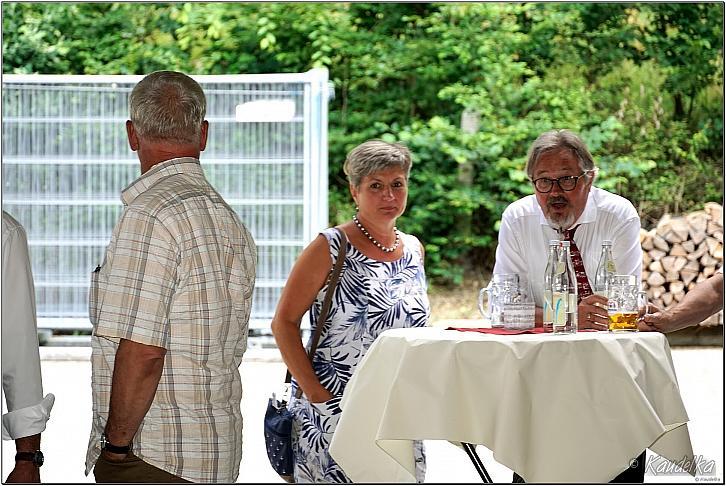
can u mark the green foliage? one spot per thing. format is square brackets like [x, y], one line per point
[642, 83]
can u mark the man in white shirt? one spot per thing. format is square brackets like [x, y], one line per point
[28, 411]
[565, 205]
[562, 172]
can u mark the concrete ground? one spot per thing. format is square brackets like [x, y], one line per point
[67, 374]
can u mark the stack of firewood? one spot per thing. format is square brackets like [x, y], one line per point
[680, 252]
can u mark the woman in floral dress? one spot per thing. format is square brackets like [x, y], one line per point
[382, 286]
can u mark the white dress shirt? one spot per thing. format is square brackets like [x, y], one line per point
[22, 386]
[524, 237]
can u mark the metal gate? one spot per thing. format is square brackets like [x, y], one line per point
[66, 159]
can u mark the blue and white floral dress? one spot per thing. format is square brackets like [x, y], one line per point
[371, 297]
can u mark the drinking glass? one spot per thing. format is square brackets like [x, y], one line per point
[503, 288]
[623, 303]
[518, 315]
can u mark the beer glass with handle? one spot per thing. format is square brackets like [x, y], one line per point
[502, 288]
[623, 303]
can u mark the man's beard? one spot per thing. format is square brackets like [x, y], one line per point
[560, 222]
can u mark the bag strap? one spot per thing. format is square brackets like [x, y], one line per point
[332, 283]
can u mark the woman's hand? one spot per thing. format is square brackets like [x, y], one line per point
[592, 313]
[303, 284]
[319, 395]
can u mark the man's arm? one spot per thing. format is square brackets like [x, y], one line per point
[28, 412]
[136, 375]
[22, 382]
[627, 252]
[25, 471]
[509, 258]
[703, 300]
[509, 254]
[628, 255]
[142, 280]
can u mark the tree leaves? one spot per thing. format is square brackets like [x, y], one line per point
[642, 84]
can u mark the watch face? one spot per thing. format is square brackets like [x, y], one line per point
[38, 458]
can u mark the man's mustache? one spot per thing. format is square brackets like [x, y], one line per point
[557, 200]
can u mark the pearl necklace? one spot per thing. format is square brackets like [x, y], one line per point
[387, 249]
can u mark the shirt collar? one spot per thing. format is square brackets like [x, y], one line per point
[588, 215]
[180, 165]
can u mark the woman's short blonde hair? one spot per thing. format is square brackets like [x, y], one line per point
[374, 156]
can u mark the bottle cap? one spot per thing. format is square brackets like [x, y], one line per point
[607, 243]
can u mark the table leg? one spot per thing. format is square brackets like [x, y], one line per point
[476, 460]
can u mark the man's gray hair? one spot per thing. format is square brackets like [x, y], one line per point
[559, 139]
[374, 156]
[168, 106]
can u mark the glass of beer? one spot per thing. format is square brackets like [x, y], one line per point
[623, 303]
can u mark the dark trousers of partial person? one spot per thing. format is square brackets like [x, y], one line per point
[634, 474]
[132, 470]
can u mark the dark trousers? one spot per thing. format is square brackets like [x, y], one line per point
[634, 474]
[132, 470]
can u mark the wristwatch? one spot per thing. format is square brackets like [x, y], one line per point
[106, 445]
[35, 457]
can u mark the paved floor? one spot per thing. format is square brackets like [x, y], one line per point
[66, 373]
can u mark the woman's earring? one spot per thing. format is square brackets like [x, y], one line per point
[356, 207]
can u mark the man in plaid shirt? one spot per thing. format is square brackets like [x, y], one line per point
[170, 306]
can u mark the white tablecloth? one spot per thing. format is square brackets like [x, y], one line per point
[554, 408]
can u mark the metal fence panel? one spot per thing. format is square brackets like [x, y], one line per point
[66, 159]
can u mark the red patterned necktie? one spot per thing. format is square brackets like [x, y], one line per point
[583, 286]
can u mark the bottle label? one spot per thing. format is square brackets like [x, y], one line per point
[546, 309]
[610, 266]
[559, 308]
[559, 268]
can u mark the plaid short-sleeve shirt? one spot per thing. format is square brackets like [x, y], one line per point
[178, 273]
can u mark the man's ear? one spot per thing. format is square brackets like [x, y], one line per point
[203, 136]
[593, 174]
[132, 136]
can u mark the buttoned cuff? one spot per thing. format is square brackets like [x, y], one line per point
[27, 421]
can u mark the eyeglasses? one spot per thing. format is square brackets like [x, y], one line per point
[566, 183]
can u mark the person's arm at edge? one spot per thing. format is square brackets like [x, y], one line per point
[25, 471]
[303, 284]
[704, 300]
[21, 353]
[22, 380]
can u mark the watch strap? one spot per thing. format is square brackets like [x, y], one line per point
[117, 449]
[108, 446]
[36, 457]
